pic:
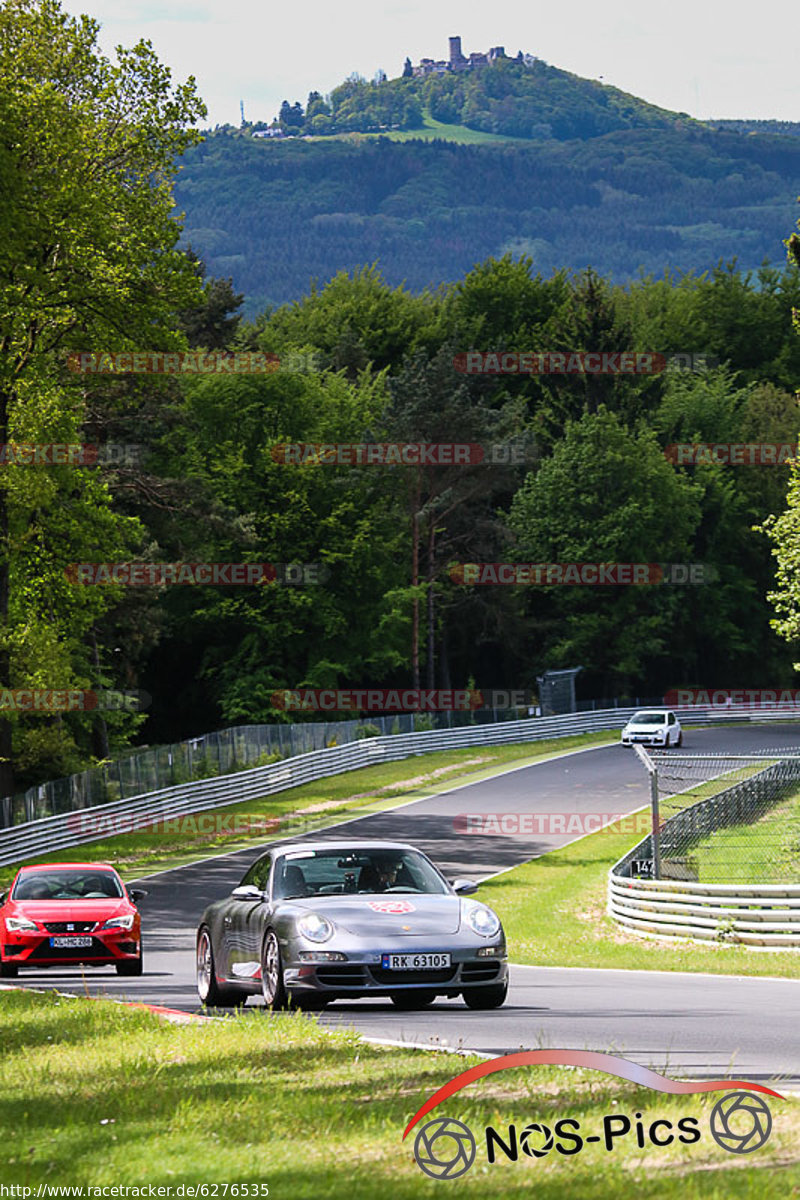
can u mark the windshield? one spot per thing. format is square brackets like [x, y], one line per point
[67, 885]
[649, 718]
[362, 872]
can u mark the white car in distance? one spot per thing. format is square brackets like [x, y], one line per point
[653, 727]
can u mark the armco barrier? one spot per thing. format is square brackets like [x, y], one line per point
[758, 914]
[34, 838]
[55, 833]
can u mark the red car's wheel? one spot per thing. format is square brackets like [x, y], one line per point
[133, 966]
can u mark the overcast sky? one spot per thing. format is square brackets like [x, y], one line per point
[698, 56]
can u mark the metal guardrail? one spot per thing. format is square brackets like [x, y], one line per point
[70, 829]
[48, 834]
[223, 752]
[760, 914]
[748, 914]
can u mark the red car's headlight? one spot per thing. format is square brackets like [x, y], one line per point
[119, 922]
[21, 925]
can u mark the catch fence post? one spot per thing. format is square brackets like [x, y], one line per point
[655, 835]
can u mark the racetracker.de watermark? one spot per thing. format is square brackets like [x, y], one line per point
[94, 822]
[527, 824]
[147, 574]
[405, 700]
[61, 700]
[394, 454]
[71, 454]
[581, 574]
[559, 362]
[726, 697]
[178, 362]
[393, 700]
[734, 454]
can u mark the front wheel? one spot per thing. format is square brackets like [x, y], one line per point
[680, 739]
[485, 997]
[310, 1002]
[209, 991]
[132, 966]
[412, 1001]
[8, 970]
[272, 986]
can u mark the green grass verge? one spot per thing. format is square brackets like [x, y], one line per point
[311, 806]
[554, 912]
[763, 851]
[94, 1094]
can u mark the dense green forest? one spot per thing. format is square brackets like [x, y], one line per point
[276, 217]
[365, 359]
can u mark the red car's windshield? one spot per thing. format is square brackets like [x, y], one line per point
[67, 885]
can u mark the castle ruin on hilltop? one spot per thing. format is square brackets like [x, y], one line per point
[461, 62]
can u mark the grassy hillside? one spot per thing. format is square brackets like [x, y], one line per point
[432, 130]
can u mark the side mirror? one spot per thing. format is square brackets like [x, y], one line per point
[247, 891]
[3, 897]
[136, 894]
[464, 887]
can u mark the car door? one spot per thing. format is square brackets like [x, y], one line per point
[241, 923]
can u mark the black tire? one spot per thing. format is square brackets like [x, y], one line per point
[8, 970]
[310, 1002]
[209, 991]
[133, 966]
[680, 739]
[272, 987]
[412, 1001]
[485, 997]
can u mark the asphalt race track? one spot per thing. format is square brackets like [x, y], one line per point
[682, 1024]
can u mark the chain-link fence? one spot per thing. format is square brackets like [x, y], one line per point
[723, 818]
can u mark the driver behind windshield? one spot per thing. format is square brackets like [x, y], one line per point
[379, 875]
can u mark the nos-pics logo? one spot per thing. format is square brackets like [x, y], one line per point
[445, 1148]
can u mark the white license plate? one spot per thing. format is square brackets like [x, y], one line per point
[414, 962]
[70, 941]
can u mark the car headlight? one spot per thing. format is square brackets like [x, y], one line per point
[119, 922]
[482, 920]
[315, 928]
[21, 925]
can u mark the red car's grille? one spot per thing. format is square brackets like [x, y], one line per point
[69, 926]
[45, 952]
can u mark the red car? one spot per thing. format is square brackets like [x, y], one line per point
[68, 914]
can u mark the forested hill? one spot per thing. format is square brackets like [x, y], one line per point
[514, 98]
[276, 215]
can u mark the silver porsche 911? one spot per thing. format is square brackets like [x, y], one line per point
[313, 922]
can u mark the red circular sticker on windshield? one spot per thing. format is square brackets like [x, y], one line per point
[391, 906]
